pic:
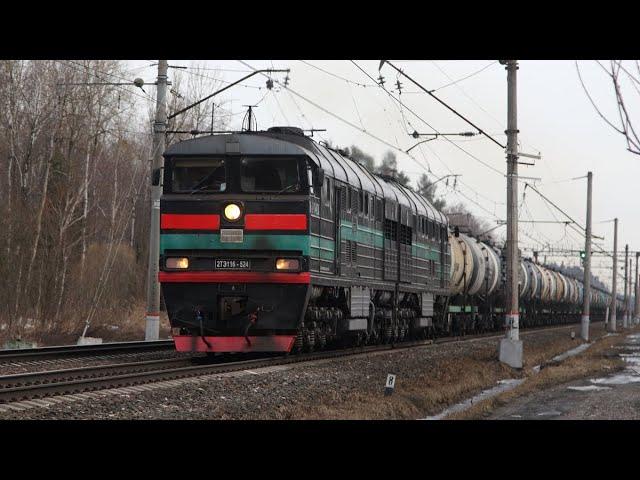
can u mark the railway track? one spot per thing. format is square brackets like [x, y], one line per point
[48, 353]
[27, 386]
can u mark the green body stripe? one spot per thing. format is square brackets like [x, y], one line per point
[321, 247]
[426, 252]
[204, 241]
[364, 235]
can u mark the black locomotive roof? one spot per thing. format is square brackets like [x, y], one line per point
[291, 141]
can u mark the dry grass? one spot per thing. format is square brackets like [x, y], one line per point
[451, 378]
[121, 324]
[448, 379]
[430, 392]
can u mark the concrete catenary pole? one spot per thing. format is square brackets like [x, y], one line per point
[586, 301]
[636, 309]
[630, 282]
[511, 346]
[625, 317]
[152, 325]
[614, 280]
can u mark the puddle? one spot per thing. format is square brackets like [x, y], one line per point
[503, 386]
[589, 388]
[631, 374]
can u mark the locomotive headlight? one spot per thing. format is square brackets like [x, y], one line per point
[287, 264]
[232, 212]
[177, 262]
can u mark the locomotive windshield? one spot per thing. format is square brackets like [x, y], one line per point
[278, 175]
[199, 175]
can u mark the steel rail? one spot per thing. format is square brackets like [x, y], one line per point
[19, 387]
[70, 350]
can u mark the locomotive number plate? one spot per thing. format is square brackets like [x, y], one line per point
[232, 264]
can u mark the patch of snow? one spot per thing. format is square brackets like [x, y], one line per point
[620, 379]
[571, 353]
[503, 386]
[552, 413]
[589, 388]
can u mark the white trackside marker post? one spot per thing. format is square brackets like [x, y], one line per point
[390, 385]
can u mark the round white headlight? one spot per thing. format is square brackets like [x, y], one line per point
[232, 212]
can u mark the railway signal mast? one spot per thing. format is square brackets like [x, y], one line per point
[511, 346]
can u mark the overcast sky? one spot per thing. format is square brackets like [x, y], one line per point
[555, 118]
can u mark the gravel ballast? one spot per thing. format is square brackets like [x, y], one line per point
[428, 379]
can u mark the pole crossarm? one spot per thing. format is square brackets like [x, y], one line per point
[559, 209]
[269, 70]
[430, 93]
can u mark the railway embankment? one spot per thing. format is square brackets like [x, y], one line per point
[428, 380]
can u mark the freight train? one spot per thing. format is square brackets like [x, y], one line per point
[272, 242]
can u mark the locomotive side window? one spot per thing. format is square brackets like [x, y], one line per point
[198, 175]
[279, 175]
[326, 191]
[379, 210]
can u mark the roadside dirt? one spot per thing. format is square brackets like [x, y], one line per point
[555, 385]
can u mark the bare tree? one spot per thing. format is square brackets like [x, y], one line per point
[624, 124]
[427, 189]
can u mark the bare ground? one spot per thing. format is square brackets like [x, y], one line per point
[598, 360]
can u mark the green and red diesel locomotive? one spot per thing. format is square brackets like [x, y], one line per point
[272, 242]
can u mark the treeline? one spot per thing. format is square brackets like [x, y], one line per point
[74, 176]
[457, 213]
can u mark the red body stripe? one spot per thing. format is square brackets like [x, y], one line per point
[181, 221]
[234, 277]
[271, 343]
[275, 221]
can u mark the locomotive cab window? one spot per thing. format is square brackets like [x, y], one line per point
[278, 175]
[198, 175]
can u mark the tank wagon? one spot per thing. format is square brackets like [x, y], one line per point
[477, 281]
[270, 241]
